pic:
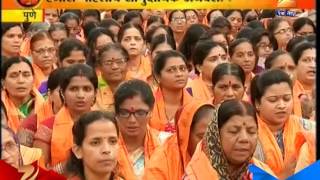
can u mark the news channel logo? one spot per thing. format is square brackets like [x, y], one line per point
[29, 3]
[287, 4]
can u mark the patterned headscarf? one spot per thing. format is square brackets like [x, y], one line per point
[213, 149]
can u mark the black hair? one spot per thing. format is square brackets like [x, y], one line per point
[190, 38]
[132, 88]
[294, 42]
[161, 59]
[107, 23]
[261, 82]
[201, 111]
[235, 43]
[41, 35]
[7, 26]
[267, 13]
[153, 19]
[92, 40]
[245, 32]
[255, 24]
[249, 18]
[11, 61]
[68, 16]
[162, 38]
[75, 165]
[91, 12]
[212, 32]
[77, 12]
[58, 26]
[234, 107]
[270, 59]
[228, 12]
[201, 51]
[302, 21]
[118, 13]
[128, 26]
[256, 37]
[54, 79]
[311, 38]
[210, 12]
[131, 15]
[69, 45]
[88, 27]
[114, 47]
[174, 11]
[228, 69]
[299, 49]
[151, 32]
[220, 23]
[79, 70]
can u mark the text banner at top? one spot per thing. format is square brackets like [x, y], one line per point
[160, 4]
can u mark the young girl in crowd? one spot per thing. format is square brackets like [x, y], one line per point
[95, 149]
[131, 37]
[54, 136]
[170, 70]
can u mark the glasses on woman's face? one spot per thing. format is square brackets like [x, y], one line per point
[178, 19]
[265, 46]
[139, 114]
[283, 31]
[42, 51]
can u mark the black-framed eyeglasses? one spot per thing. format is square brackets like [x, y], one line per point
[43, 50]
[138, 114]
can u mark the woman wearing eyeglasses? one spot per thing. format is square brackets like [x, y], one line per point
[133, 106]
[43, 54]
[177, 21]
[112, 61]
[207, 55]
[171, 72]
[281, 31]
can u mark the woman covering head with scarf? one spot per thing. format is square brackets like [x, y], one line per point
[228, 145]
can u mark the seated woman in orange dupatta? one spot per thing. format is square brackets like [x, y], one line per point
[20, 162]
[169, 161]
[133, 105]
[206, 56]
[241, 52]
[54, 136]
[304, 56]
[72, 51]
[131, 37]
[47, 109]
[227, 83]
[43, 53]
[280, 59]
[177, 21]
[271, 93]
[18, 95]
[170, 70]
[159, 43]
[95, 147]
[112, 61]
[227, 148]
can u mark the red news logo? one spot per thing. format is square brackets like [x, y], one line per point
[28, 3]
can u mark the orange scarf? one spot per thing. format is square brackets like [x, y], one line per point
[144, 70]
[39, 76]
[44, 112]
[104, 99]
[272, 152]
[62, 138]
[13, 113]
[158, 119]
[200, 89]
[151, 142]
[298, 90]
